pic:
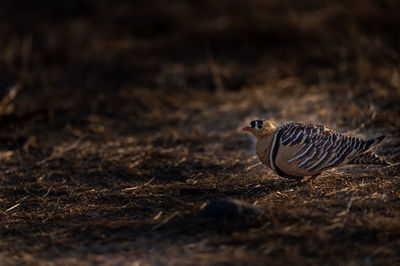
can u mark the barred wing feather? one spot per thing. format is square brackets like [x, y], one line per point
[309, 149]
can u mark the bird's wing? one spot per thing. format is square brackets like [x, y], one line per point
[314, 148]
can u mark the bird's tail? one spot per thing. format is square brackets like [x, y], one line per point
[368, 158]
[373, 142]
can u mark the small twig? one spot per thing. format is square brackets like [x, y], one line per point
[16, 205]
[391, 165]
[135, 160]
[42, 198]
[166, 220]
[137, 187]
[13, 207]
[59, 153]
[158, 216]
[346, 212]
[252, 158]
[251, 189]
[130, 188]
[47, 193]
[253, 166]
[357, 130]
[149, 182]
[337, 191]
[349, 204]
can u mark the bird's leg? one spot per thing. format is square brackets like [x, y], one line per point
[299, 181]
[304, 179]
[311, 179]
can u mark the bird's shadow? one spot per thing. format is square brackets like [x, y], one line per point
[266, 187]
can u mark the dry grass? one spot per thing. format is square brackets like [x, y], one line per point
[126, 122]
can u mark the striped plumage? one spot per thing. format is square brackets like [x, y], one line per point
[295, 150]
[367, 158]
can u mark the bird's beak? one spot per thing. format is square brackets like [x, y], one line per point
[246, 129]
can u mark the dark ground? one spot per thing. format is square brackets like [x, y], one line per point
[120, 119]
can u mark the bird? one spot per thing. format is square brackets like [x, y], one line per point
[299, 150]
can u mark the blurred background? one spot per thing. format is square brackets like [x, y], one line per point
[100, 96]
[275, 59]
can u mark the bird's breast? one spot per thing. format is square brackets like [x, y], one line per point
[263, 149]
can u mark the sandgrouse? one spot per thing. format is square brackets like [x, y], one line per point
[296, 150]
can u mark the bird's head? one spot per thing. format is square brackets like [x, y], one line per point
[260, 128]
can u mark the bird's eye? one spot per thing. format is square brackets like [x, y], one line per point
[259, 126]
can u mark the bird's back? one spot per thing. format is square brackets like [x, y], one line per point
[299, 149]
